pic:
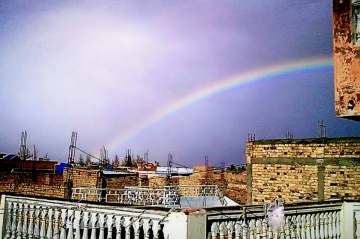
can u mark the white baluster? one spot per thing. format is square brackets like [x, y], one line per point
[37, 222]
[94, 218]
[101, 223]
[31, 221]
[156, 227]
[313, 226]
[245, 230]
[357, 224]
[303, 226]
[56, 226]
[111, 224]
[20, 219]
[14, 222]
[137, 226]
[330, 225]
[264, 228]
[287, 227]
[252, 228]
[118, 224]
[298, 226]
[8, 220]
[293, 227]
[25, 224]
[230, 229]
[281, 232]
[258, 228]
[147, 223]
[308, 226]
[63, 223]
[338, 222]
[322, 226]
[49, 233]
[237, 230]
[334, 225]
[222, 230]
[317, 225]
[86, 225]
[70, 224]
[270, 232]
[43, 226]
[77, 224]
[326, 225]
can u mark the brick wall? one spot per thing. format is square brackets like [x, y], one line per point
[303, 169]
[342, 182]
[287, 183]
[33, 183]
[304, 148]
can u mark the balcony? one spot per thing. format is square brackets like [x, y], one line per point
[34, 217]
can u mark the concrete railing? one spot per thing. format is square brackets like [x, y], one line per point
[167, 195]
[325, 220]
[28, 217]
[31, 218]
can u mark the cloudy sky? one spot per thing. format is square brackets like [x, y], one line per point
[128, 74]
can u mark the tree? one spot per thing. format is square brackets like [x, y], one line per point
[81, 160]
[231, 168]
[116, 161]
[138, 161]
[87, 160]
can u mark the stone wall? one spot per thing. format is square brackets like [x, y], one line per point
[36, 184]
[288, 183]
[303, 169]
[320, 148]
[342, 182]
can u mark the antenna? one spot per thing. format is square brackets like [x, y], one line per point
[251, 137]
[146, 156]
[206, 159]
[169, 163]
[289, 135]
[72, 147]
[35, 154]
[321, 129]
[103, 161]
[24, 151]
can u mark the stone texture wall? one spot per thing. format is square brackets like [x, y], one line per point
[37, 184]
[288, 183]
[346, 56]
[303, 169]
[318, 148]
[342, 182]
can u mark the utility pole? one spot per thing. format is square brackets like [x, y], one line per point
[169, 163]
[72, 148]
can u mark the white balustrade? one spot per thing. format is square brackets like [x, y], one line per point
[305, 222]
[43, 219]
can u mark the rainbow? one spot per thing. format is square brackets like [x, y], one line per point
[220, 86]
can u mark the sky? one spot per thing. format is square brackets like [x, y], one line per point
[158, 76]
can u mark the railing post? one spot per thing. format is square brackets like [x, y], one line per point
[25, 224]
[357, 224]
[86, 225]
[8, 217]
